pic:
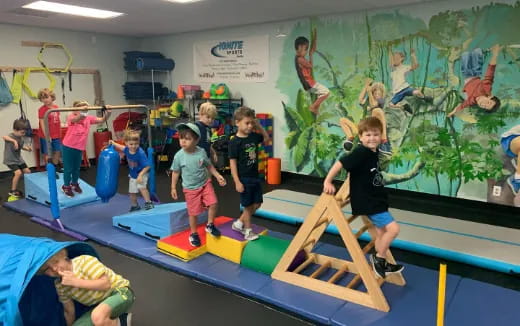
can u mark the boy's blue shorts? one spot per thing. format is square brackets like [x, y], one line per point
[399, 96]
[252, 192]
[55, 145]
[381, 220]
[506, 144]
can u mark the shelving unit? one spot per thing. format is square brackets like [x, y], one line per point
[153, 74]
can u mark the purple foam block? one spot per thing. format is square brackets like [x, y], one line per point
[57, 226]
[227, 231]
[298, 260]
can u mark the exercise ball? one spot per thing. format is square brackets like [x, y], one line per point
[107, 173]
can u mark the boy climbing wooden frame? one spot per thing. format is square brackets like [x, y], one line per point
[326, 210]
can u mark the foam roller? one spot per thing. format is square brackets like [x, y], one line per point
[263, 254]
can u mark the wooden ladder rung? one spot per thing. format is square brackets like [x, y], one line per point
[352, 218]
[354, 282]
[322, 221]
[369, 246]
[338, 274]
[361, 230]
[309, 242]
[304, 264]
[320, 270]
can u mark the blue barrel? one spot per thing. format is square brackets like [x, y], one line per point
[107, 173]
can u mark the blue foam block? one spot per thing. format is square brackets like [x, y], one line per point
[476, 303]
[232, 276]
[410, 305]
[159, 222]
[313, 305]
[37, 189]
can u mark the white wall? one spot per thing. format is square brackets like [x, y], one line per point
[89, 50]
[262, 97]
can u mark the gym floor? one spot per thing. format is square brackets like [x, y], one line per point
[164, 297]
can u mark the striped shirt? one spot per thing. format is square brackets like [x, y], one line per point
[87, 267]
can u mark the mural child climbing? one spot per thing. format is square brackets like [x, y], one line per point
[371, 97]
[400, 87]
[304, 70]
[478, 91]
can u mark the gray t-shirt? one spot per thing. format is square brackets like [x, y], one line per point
[11, 155]
[193, 167]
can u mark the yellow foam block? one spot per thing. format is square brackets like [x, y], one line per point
[230, 247]
[178, 245]
[180, 253]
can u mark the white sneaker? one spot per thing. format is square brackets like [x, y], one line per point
[238, 225]
[250, 235]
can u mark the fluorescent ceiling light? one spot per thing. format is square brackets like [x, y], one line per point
[183, 1]
[71, 10]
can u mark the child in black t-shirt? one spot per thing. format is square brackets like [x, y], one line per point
[367, 191]
[243, 160]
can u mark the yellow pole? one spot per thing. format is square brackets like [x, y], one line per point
[442, 295]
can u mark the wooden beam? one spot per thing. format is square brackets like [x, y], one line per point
[39, 44]
[320, 270]
[81, 71]
[338, 274]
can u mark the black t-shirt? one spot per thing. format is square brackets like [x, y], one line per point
[205, 137]
[244, 150]
[367, 188]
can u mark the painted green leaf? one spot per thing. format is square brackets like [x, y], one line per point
[302, 106]
[300, 152]
[292, 138]
[293, 118]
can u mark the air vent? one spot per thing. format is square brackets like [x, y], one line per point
[30, 12]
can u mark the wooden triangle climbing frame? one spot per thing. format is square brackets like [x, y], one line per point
[326, 210]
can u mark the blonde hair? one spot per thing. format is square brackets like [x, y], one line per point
[208, 109]
[44, 92]
[62, 254]
[131, 135]
[80, 104]
[378, 86]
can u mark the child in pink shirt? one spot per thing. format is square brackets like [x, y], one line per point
[74, 143]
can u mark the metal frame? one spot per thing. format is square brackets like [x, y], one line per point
[55, 210]
[94, 108]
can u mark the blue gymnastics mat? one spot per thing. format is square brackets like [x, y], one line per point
[487, 246]
[478, 303]
[412, 305]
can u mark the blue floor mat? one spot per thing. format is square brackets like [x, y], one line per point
[195, 268]
[411, 305]
[312, 305]
[480, 304]
[414, 304]
[232, 276]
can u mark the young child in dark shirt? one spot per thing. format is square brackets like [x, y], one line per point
[367, 192]
[243, 160]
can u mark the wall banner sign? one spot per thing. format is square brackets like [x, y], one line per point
[244, 59]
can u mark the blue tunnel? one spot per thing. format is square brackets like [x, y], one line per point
[26, 298]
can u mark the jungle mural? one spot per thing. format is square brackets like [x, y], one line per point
[447, 90]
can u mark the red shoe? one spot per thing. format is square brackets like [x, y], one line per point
[67, 190]
[76, 188]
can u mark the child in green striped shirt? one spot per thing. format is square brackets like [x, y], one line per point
[86, 280]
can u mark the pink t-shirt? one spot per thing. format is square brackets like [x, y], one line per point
[77, 132]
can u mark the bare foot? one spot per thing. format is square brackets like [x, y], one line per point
[313, 108]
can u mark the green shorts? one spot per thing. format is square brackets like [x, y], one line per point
[119, 300]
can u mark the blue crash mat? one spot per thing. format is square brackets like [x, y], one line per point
[482, 304]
